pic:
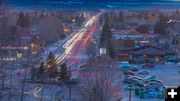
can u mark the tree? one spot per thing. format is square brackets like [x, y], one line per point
[64, 75]
[51, 28]
[51, 63]
[32, 73]
[97, 80]
[23, 20]
[106, 35]
[60, 99]
[3, 24]
[105, 39]
[106, 16]
[143, 29]
[121, 17]
[41, 69]
[13, 33]
[111, 51]
[161, 25]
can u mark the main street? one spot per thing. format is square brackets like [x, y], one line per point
[79, 40]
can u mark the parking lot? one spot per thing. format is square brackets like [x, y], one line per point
[168, 73]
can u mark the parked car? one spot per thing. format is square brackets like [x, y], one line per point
[156, 81]
[154, 84]
[126, 79]
[149, 65]
[128, 72]
[171, 60]
[143, 72]
[127, 87]
[124, 65]
[138, 82]
[134, 80]
[151, 77]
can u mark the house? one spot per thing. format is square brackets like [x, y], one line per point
[122, 48]
[151, 54]
[140, 39]
[148, 54]
[119, 25]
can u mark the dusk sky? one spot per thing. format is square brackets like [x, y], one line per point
[102, 0]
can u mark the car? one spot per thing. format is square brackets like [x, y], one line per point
[135, 70]
[151, 77]
[127, 87]
[156, 81]
[126, 79]
[124, 64]
[138, 82]
[154, 84]
[129, 78]
[149, 65]
[128, 72]
[134, 67]
[171, 60]
[143, 72]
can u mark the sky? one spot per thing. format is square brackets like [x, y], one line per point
[92, 3]
[102, 0]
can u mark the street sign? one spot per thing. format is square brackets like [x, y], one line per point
[102, 51]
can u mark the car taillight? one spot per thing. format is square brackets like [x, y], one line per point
[145, 81]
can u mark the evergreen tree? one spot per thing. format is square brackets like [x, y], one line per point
[64, 75]
[121, 17]
[106, 16]
[51, 63]
[111, 51]
[13, 33]
[60, 99]
[143, 29]
[105, 40]
[161, 25]
[106, 34]
[41, 69]
[23, 20]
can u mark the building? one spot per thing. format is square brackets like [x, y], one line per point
[122, 48]
[140, 39]
[152, 54]
[148, 54]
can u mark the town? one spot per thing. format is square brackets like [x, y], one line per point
[88, 54]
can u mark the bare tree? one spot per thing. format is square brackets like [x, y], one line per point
[100, 83]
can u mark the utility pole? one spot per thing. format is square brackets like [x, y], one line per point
[26, 71]
[11, 76]
[70, 83]
[130, 90]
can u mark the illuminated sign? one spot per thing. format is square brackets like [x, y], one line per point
[102, 51]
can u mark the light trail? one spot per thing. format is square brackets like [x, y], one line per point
[69, 45]
[89, 37]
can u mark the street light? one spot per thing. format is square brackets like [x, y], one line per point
[73, 20]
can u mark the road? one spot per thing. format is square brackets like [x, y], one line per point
[75, 47]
